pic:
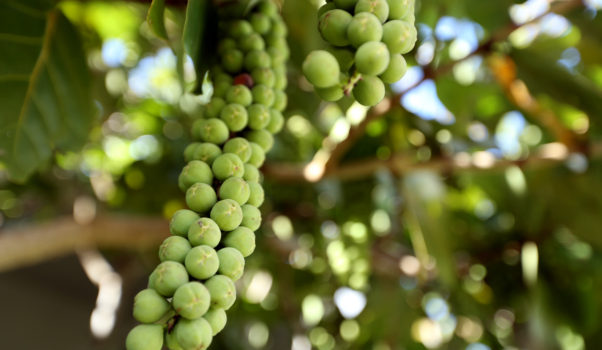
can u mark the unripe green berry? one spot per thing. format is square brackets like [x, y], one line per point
[325, 8]
[261, 23]
[257, 194]
[257, 155]
[235, 188]
[241, 239]
[195, 171]
[257, 59]
[372, 58]
[251, 171]
[171, 342]
[145, 337]
[181, 221]
[399, 8]
[261, 137]
[345, 57]
[364, 27]
[167, 277]
[277, 55]
[240, 28]
[331, 94]
[214, 106]
[399, 36]
[280, 100]
[276, 121]
[193, 334]
[268, 8]
[231, 263]
[217, 319]
[191, 300]
[202, 262]
[206, 152]
[251, 217]
[149, 306]
[240, 147]
[259, 116]
[190, 150]
[225, 44]
[369, 90]
[227, 214]
[263, 76]
[263, 94]
[174, 248]
[280, 79]
[220, 88]
[321, 68]
[252, 41]
[204, 231]
[227, 165]
[239, 94]
[396, 69]
[380, 8]
[333, 27]
[232, 60]
[235, 116]
[200, 197]
[222, 291]
[211, 130]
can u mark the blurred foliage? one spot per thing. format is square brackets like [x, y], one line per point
[439, 258]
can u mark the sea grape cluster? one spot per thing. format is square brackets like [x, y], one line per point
[189, 292]
[368, 39]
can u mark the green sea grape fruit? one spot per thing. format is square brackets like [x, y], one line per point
[204, 231]
[263, 94]
[191, 300]
[261, 23]
[379, 8]
[217, 319]
[167, 277]
[232, 60]
[369, 90]
[195, 171]
[321, 68]
[227, 165]
[250, 42]
[200, 197]
[227, 214]
[235, 188]
[364, 27]
[259, 116]
[399, 36]
[211, 130]
[222, 291]
[149, 306]
[214, 106]
[372, 58]
[145, 337]
[181, 221]
[257, 194]
[231, 263]
[193, 334]
[280, 100]
[261, 137]
[251, 217]
[263, 76]
[251, 171]
[174, 248]
[396, 69]
[257, 59]
[241, 239]
[235, 116]
[202, 262]
[333, 27]
[239, 146]
[206, 152]
[239, 94]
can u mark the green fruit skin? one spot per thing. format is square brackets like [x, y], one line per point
[321, 68]
[206, 152]
[333, 27]
[399, 36]
[240, 28]
[331, 94]
[399, 9]
[190, 150]
[259, 116]
[214, 106]
[200, 197]
[191, 300]
[396, 70]
[232, 60]
[251, 217]
[167, 277]
[276, 121]
[195, 171]
[257, 194]
[235, 116]
[217, 319]
[257, 155]
[325, 8]
[239, 146]
[227, 165]
[251, 173]
[145, 337]
[227, 214]
[241, 239]
[257, 59]
[253, 41]
[235, 188]
[380, 8]
[222, 291]
[174, 248]
[261, 23]
[263, 94]
[369, 91]
[280, 101]
[345, 57]
[211, 130]
[204, 231]
[181, 221]
[264, 76]
[239, 94]
[202, 262]
[171, 342]
[345, 4]
[364, 27]
[193, 334]
[231, 263]
[261, 137]
[149, 306]
[372, 58]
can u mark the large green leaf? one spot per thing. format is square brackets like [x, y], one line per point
[155, 18]
[199, 37]
[44, 87]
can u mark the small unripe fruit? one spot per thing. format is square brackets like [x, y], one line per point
[206, 152]
[333, 27]
[321, 68]
[145, 337]
[257, 59]
[325, 8]
[171, 342]
[167, 277]
[174, 248]
[251, 171]
[204, 231]
[263, 94]
[149, 306]
[263, 76]
[191, 300]
[193, 334]
[261, 23]
[398, 9]
[235, 116]
[276, 121]
[239, 146]
[222, 291]
[231, 263]
[190, 150]
[396, 70]
[241, 239]
[399, 36]
[239, 94]
[214, 106]
[235, 188]
[195, 171]
[227, 165]
[331, 94]
[259, 116]
[280, 100]
[232, 60]
[364, 27]
[202, 262]
[227, 214]
[251, 217]
[261, 137]
[200, 197]
[181, 221]
[380, 8]
[257, 195]
[372, 58]
[217, 319]
[369, 90]
[240, 28]
[211, 130]
[250, 42]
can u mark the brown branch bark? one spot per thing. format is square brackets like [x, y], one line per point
[32, 244]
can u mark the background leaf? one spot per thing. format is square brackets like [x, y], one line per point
[198, 38]
[44, 88]
[155, 18]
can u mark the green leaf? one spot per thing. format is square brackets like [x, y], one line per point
[199, 37]
[155, 18]
[44, 87]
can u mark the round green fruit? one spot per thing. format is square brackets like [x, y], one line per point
[259, 116]
[231, 263]
[211, 130]
[364, 27]
[217, 319]
[227, 214]
[227, 165]
[204, 231]
[181, 221]
[251, 171]
[202, 262]
[206, 152]
[396, 70]
[333, 27]
[193, 334]
[174, 248]
[200, 197]
[145, 337]
[321, 68]
[239, 146]
[235, 116]
[195, 171]
[261, 137]
[379, 8]
[167, 277]
[222, 291]
[241, 239]
[372, 58]
[149, 306]
[251, 217]
[191, 300]
[235, 188]
[257, 194]
[369, 91]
